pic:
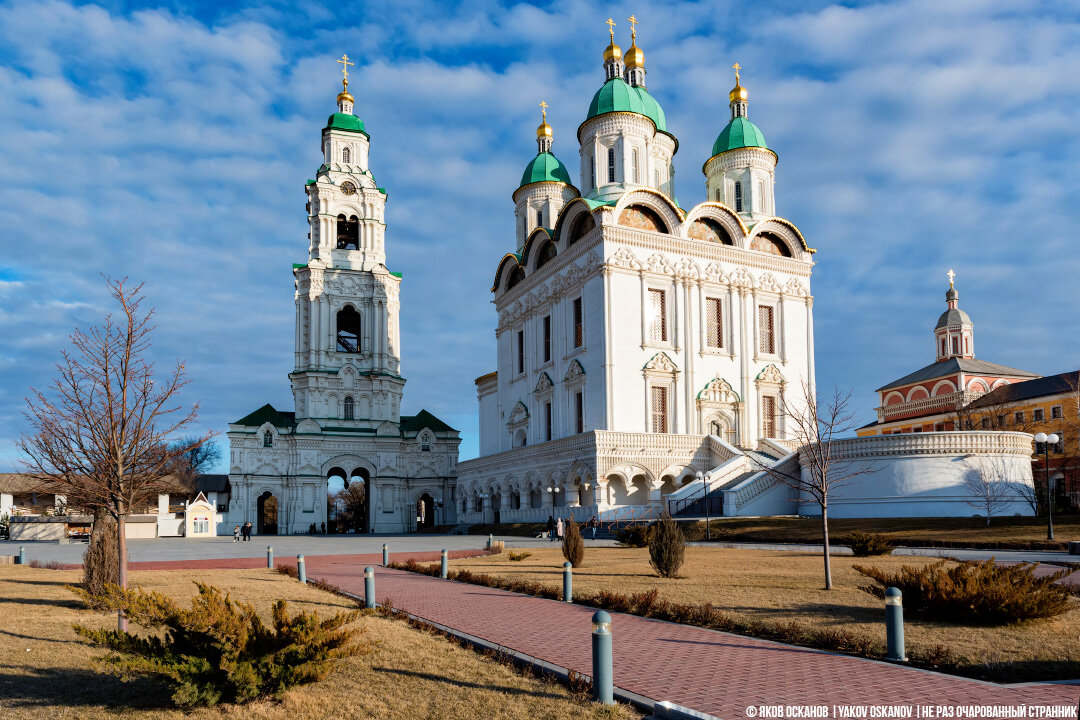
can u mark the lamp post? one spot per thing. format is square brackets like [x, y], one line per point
[1047, 441]
[705, 478]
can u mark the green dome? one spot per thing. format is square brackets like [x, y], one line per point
[739, 133]
[618, 96]
[345, 121]
[545, 167]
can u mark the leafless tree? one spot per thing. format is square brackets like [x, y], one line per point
[198, 457]
[101, 436]
[351, 505]
[989, 488]
[813, 426]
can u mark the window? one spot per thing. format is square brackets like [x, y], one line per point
[1055, 412]
[579, 324]
[521, 351]
[943, 351]
[1059, 446]
[761, 195]
[547, 421]
[714, 323]
[346, 156]
[656, 179]
[1001, 421]
[939, 427]
[766, 331]
[1018, 417]
[348, 232]
[659, 410]
[918, 429]
[268, 439]
[539, 218]
[634, 163]
[349, 409]
[985, 422]
[1038, 415]
[657, 316]
[611, 165]
[956, 346]
[425, 444]
[547, 338]
[579, 412]
[348, 330]
[768, 416]
[738, 196]
[592, 173]
[719, 195]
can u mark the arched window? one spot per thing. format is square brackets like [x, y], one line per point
[634, 163]
[592, 172]
[268, 439]
[349, 408]
[348, 232]
[516, 276]
[346, 155]
[348, 330]
[425, 444]
[611, 165]
[656, 179]
[582, 225]
[738, 196]
[719, 195]
[547, 254]
[539, 218]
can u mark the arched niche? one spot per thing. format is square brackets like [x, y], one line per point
[642, 218]
[581, 226]
[709, 230]
[769, 243]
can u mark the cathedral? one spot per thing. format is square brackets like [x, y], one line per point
[639, 342]
[347, 380]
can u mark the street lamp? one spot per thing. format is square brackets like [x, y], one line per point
[1047, 441]
[705, 478]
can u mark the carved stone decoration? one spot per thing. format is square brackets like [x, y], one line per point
[661, 363]
[659, 264]
[574, 371]
[719, 392]
[768, 283]
[543, 384]
[771, 375]
[623, 258]
[714, 272]
[742, 278]
[519, 415]
[687, 268]
[795, 288]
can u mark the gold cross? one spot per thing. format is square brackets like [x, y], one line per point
[543, 109]
[633, 27]
[611, 28]
[951, 275]
[345, 69]
[737, 67]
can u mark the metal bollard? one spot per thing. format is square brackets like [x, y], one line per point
[22, 555]
[491, 541]
[269, 557]
[369, 587]
[601, 658]
[442, 571]
[385, 556]
[894, 625]
[301, 571]
[567, 582]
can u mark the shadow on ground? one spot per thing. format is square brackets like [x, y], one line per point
[461, 684]
[22, 686]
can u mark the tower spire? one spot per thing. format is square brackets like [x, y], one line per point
[344, 99]
[543, 132]
[635, 58]
[737, 98]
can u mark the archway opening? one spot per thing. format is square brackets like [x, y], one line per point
[425, 512]
[268, 514]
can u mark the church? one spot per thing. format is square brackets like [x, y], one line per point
[639, 342]
[347, 379]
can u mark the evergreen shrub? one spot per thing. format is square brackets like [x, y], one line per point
[864, 544]
[573, 545]
[667, 547]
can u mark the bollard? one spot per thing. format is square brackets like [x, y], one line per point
[369, 587]
[894, 625]
[491, 541]
[301, 571]
[22, 555]
[385, 556]
[601, 658]
[269, 557]
[442, 571]
[567, 582]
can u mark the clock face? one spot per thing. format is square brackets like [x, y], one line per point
[348, 188]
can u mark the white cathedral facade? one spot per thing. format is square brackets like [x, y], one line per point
[347, 379]
[639, 342]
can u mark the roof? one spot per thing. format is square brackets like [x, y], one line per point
[345, 121]
[267, 414]
[545, 167]
[739, 133]
[421, 420]
[952, 366]
[1030, 389]
[616, 95]
[206, 483]
[20, 483]
[953, 317]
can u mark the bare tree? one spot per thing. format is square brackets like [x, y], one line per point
[198, 456]
[351, 505]
[989, 488]
[813, 426]
[101, 436]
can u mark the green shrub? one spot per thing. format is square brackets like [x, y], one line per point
[974, 592]
[517, 556]
[573, 545]
[667, 547]
[864, 544]
[635, 536]
[220, 650]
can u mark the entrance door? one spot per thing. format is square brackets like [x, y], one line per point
[268, 512]
[425, 512]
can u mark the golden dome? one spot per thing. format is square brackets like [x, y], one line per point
[543, 130]
[344, 95]
[635, 58]
[738, 93]
[612, 52]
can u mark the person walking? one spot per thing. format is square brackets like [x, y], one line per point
[559, 529]
[551, 528]
[593, 525]
[247, 531]
[236, 534]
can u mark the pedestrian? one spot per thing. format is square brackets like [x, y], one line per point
[551, 528]
[236, 534]
[593, 525]
[559, 528]
[323, 528]
[247, 531]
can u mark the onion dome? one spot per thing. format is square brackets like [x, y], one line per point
[738, 93]
[345, 121]
[635, 57]
[739, 133]
[954, 315]
[612, 51]
[616, 95]
[545, 167]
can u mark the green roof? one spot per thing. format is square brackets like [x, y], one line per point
[739, 133]
[545, 167]
[267, 414]
[421, 420]
[345, 121]
[617, 95]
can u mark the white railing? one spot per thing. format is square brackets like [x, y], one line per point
[949, 402]
[968, 442]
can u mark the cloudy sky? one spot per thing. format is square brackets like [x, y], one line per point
[171, 144]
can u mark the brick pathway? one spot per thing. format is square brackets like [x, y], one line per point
[714, 672]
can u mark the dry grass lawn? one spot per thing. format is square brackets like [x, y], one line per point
[47, 672]
[767, 585]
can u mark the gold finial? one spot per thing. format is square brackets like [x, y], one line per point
[544, 130]
[543, 109]
[633, 27]
[611, 28]
[951, 275]
[738, 93]
[737, 67]
[635, 58]
[345, 71]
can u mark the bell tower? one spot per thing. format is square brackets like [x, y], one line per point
[348, 358]
[954, 333]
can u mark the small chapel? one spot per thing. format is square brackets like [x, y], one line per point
[347, 380]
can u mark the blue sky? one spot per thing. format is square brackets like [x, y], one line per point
[171, 144]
